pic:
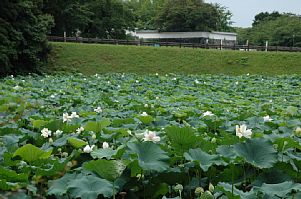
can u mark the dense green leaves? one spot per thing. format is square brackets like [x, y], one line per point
[179, 147]
[90, 187]
[181, 139]
[150, 156]
[107, 169]
[258, 152]
[205, 160]
[31, 153]
[23, 43]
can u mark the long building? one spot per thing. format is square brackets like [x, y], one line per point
[195, 37]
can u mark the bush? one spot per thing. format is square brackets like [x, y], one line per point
[23, 41]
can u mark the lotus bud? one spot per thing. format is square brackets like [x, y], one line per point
[211, 188]
[199, 190]
[65, 154]
[178, 187]
[50, 141]
[297, 132]
[93, 136]
[207, 195]
[285, 143]
[213, 140]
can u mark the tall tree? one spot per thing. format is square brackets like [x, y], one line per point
[23, 42]
[70, 16]
[265, 16]
[110, 19]
[187, 15]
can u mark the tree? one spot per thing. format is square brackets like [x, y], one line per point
[110, 19]
[265, 16]
[23, 42]
[282, 31]
[224, 22]
[70, 16]
[145, 12]
[187, 15]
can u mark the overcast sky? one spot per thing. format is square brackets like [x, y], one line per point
[245, 10]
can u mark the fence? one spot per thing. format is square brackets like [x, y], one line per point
[174, 44]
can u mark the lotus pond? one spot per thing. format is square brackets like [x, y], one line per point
[129, 136]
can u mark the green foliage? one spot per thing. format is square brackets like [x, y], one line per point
[257, 152]
[150, 60]
[150, 156]
[182, 139]
[107, 169]
[279, 30]
[187, 15]
[90, 187]
[31, 153]
[23, 43]
[200, 153]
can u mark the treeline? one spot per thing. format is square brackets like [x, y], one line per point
[110, 18]
[24, 24]
[279, 29]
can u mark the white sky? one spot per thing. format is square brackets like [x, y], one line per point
[244, 10]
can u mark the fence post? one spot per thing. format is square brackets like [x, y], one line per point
[266, 46]
[65, 36]
[221, 45]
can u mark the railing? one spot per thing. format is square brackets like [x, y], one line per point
[174, 44]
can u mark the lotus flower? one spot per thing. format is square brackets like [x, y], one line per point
[98, 110]
[45, 133]
[88, 149]
[151, 136]
[58, 133]
[144, 114]
[267, 119]
[79, 130]
[74, 115]
[242, 131]
[208, 113]
[105, 145]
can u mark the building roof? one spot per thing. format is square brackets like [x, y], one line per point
[154, 34]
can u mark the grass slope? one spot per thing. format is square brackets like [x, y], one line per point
[94, 58]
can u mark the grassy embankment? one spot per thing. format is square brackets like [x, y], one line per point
[94, 58]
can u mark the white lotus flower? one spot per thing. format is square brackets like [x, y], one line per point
[74, 115]
[151, 136]
[88, 149]
[157, 74]
[157, 98]
[79, 130]
[144, 114]
[105, 145]
[137, 81]
[208, 113]
[66, 117]
[242, 131]
[45, 133]
[267, 119]
[58, 133]
[145, 105]
[17, 87]
[196, 81]
[236, 83]
[52, 96]
[98, 110]
[174, 79]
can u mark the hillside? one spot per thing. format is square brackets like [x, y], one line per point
[93, 58]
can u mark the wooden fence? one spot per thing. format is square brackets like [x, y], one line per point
[173, 44]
